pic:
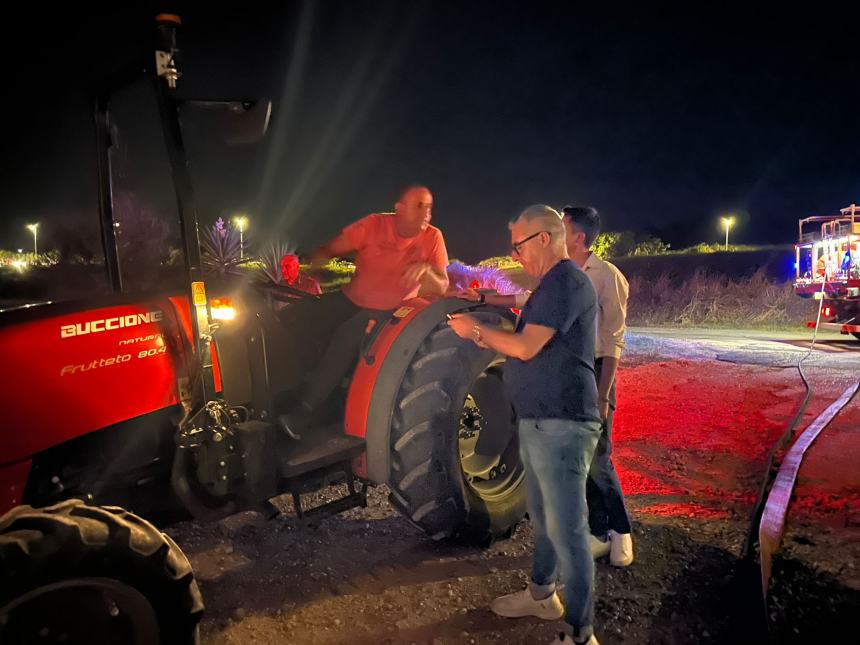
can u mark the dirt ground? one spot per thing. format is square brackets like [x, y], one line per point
[690, 442]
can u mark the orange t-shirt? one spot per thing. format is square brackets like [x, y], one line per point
[382, 256]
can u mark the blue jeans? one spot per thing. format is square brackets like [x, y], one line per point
[606, 509]
[557, 454]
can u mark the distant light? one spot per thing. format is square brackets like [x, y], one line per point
[34, 229]
[727, 224]
[20, 250]
[241, 222]
[21, 265]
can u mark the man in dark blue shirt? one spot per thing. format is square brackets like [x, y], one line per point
[550, 380]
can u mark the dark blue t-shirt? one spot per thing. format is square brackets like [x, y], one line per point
[559, 382]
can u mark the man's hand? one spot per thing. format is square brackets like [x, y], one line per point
[524, 345]
[469, 294]
[603, 407]
[463, 325]
[414, 272]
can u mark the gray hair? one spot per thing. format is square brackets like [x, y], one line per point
[546, 216]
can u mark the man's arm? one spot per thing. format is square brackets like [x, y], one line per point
[351, 239]
[524, 345]
[607, 377]
[496, 299]
[612, 297]
[434, 281]
[338, 247]
[431, 281]
[433, 274]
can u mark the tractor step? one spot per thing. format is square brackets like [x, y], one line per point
[318, 451]
[309, 461]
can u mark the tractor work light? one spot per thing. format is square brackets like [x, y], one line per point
[222, 309]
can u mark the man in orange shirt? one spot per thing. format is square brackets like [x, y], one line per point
[397, 256]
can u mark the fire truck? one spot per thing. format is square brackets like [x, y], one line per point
[827, 265]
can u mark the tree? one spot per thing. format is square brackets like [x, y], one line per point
[614, 245]
[651, 246]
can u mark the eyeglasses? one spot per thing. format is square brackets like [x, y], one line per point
[515, 247]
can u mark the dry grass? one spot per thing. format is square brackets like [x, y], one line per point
[704, 299]
[712, 300]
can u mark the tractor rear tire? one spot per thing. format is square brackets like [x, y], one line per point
[428, 483]
[75, 573]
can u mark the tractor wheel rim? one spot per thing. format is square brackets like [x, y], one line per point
[487, 439]
[91, 610]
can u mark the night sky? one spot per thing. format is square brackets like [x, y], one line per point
[663, 116]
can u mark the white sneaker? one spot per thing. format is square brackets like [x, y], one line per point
[521, 603]
[564, 639]
[620, 549]
[599, 548]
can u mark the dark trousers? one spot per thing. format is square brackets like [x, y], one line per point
[345, 324]
[606, 509]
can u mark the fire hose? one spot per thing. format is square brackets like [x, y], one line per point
[769, 515]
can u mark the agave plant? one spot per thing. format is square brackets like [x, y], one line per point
[221, 248]
[270, 262]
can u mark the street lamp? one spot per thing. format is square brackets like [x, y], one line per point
[727, 224]
[34, 228]
[241, 223]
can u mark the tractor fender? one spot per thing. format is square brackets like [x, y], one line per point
[377, 379]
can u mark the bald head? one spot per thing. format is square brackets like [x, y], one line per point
[413, 210]
[409, 191]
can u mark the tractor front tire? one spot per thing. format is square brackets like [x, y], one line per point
[75, 573]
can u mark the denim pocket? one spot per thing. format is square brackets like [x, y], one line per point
[555, 427]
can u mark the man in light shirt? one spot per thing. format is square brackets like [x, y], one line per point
[607, 515]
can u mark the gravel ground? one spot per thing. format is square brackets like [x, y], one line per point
[367, 576]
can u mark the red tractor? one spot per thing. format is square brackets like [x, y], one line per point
[155, 403]
[827, 267]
